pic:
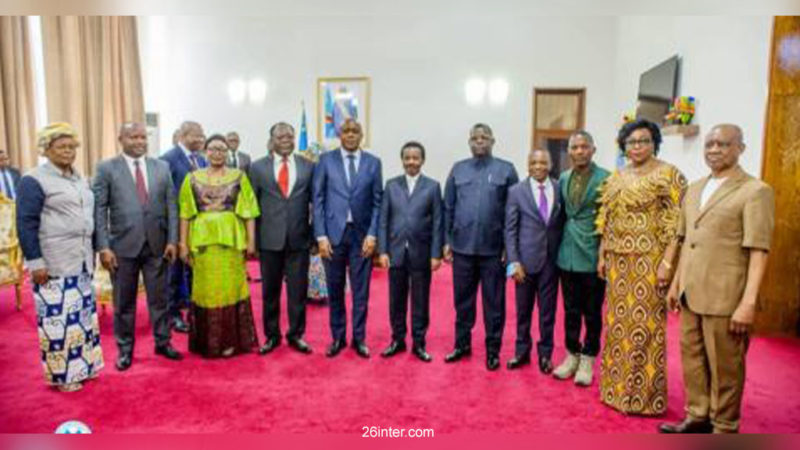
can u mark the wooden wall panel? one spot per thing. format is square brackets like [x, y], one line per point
[780, 293]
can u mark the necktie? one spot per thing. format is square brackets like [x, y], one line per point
[8, 188]
[233, 163]
[543, 209]
[351, 170]
[193, 160]
[283, 177]
[141, 189]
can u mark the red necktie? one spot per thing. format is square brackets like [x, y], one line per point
[141, 189]
[283, 178]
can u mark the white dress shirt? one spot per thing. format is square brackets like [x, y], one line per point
[411, 182]
[549, 193]
[132, 167]
[711, 186]
[277, 162]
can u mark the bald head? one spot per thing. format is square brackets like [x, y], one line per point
[233, 140]
[723, 146]
[133, 139]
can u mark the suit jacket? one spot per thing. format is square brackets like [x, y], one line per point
[475, 201]
[15, 176]
[715, 255]
[243, 160]
[180, 166]
[414, 221]
[580, 242]
[529, 240]
[333, 197]
[121, 223]
[284, 223]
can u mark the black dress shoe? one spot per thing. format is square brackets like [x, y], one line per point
[335, 348]
[169, 352]
[124, 361]
[394, 348]
[518, 361]
[179, 325]
[545, 365]
[492, 362]
[300, 345]
[688, 426]
[270, 345]
[361, 349]
[457, 354]
[421, 354]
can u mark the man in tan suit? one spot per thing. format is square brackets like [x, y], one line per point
[726, 227]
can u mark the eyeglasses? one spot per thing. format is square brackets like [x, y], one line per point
[631, 143]
[724, 145]
[217, 149]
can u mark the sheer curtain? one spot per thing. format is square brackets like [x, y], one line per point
[17, 118]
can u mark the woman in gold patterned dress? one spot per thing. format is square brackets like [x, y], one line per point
[217, 208]
[638, 220]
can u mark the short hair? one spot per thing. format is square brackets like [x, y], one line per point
[184, 128]
[215, 137]
[483, 127]
[232, 133]
[638, 124]
[584, 134]
[543, 150]
[275, 127]
[412, 144]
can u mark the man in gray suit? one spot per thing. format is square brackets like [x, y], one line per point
[282, 184]
[136, 220]
[236, 159]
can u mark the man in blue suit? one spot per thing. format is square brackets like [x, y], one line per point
[475, 203]
[347, 192]
[410, 244]
[9, 176]
[534, 223]
[182, 159]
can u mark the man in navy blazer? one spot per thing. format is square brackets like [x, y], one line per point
[9, 176]
[534, 223]
[347, 190]
[410, 238]
[474, 202]
[182, 159]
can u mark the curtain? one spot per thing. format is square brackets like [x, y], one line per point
[17, 117]
[93, 80]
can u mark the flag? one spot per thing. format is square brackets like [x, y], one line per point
[303, 139]
[330, 130]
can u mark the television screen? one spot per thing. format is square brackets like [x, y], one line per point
[657, 88]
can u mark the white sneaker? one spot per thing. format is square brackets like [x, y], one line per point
[567, 368]
[584, 375]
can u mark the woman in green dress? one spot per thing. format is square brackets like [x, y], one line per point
[217, 208]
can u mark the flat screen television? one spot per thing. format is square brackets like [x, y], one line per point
[657, 88]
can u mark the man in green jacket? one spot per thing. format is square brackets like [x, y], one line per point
[577, 259]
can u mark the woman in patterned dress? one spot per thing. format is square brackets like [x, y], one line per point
[638, 219]
[217, 208]
[55, 223]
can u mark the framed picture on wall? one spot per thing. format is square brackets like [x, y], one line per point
[339, 99]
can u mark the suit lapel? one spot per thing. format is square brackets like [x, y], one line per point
[404, 186]
[272, 182]
[299, 172]
[728, 187]
[594, 180]
[556, 201]
[338, 166]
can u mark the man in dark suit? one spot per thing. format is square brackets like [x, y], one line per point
[534, 223]
[9, 176]
[236, 159]
[410, 235]
[474, 203]
[182, 159]
[348, 187]
[282, 184]
[136, 231]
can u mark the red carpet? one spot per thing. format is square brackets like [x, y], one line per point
[289, 392]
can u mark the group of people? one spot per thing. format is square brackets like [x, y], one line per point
[188, 222]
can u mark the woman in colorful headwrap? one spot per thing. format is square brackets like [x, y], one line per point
[217, 208]
[55, 222]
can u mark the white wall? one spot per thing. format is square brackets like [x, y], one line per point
[418, 67]
[725, 67]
